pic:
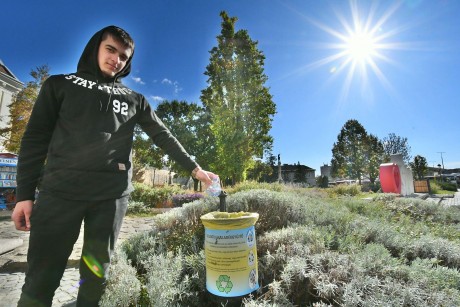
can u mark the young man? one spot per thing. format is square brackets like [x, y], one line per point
[82, 125]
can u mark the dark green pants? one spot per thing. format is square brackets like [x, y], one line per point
[55, 227]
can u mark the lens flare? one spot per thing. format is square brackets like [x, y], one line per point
[93, 265]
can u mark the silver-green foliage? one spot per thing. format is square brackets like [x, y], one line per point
[137, 207]
[312, 251]
[166, 283]
[123, 287]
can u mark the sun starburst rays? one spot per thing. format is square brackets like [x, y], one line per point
[358, 50]
[361, 44]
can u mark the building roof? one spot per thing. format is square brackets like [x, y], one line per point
[8, 80]
[6, 71]
[293, 167]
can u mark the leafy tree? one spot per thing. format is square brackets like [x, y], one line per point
[21, 109]
[263, 171]
[189, 123]
[272, 173]
[394, 144]
[375, 156]
[419, 167]
[349, 152]
[240, 106]
[322, 181]
[259, 171]
[145, 153]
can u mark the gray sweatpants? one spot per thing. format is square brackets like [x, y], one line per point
[55, 227]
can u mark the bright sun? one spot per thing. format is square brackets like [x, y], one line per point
[360, 46]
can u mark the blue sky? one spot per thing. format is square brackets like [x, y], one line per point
[405, 79]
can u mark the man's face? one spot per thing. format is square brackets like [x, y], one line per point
[112, 56]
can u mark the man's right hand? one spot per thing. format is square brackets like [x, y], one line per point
[21, 215]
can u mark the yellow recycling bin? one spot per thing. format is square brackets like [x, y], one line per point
[231, 253]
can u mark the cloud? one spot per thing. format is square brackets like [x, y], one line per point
[138, 80]
[174, 84]
[157, 98]
[177, 88]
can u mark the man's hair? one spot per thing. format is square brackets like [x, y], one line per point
[120, 35]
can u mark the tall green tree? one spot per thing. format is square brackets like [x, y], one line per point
[263, 170]
[375, 156]
[419, 167]
[395, 144]
[21, 109]
[189, 123]
[259, 171]
[145, 153]
[238, 101]
[350, 151]
[272, 172]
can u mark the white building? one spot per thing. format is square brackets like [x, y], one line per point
[9, 86]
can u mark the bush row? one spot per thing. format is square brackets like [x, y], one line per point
[313, 251]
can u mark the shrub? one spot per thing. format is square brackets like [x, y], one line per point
[345, 190]
[153, 197]
[322, 181]
[312, 251]
[179, 199]
[429, 247]
[385, 197]
[254, 185]
[276, 209]
[137, 207]
[167, 282]
[437, 186]
[371, 187]
[449, 215]
[123, 288]
[448, 186]
[417, 209]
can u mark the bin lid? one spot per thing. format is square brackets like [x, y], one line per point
[229, 220]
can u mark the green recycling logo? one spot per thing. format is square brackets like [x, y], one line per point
[224, 284]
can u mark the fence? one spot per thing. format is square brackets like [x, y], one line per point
[422, 186]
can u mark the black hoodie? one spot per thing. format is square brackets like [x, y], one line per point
[82, 124]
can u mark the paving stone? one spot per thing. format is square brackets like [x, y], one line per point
[11, 283]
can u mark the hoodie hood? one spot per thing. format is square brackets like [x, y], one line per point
[88, 63]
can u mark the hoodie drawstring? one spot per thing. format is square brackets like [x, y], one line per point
[110, 97]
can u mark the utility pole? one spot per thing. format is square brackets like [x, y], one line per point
[442, 161]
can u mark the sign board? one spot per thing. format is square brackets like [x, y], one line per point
[8, 162]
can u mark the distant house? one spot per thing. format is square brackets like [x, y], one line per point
[9, 86]
[155, 177]
[292, 173]
[326, 172]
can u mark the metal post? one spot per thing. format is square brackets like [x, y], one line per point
[223, 202]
